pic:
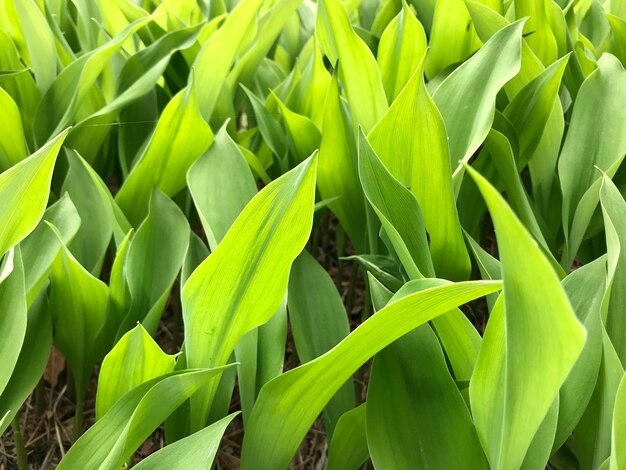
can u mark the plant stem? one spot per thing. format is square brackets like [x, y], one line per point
[20, 450]
[78, 419]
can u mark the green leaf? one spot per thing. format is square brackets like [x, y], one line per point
[410, 394]
[12, 140]
[40, 248]
[180, 137]
[411, 141]
[195, 452]
[40, 42]
[78, 304]
[288, 405]
[585, 289]
[401, 46]
[155, 257]
[618, 442]
[348, 447]
[115, 437]
[73, 86]
[358, 70]
[318, 323]
[13, 319]
[337, 172]
[221, 171]
[534, 320]
[31, 362]
[24, 192]
[135, 359]
[215, 59]
[398, 212]
[466, 98]
[591, 143]
[243, 281]
[614, 214]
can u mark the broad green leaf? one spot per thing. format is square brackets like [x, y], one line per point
[466, 98]
[411, 141]
[591, 143]
[12, 140]
[180, 137]
[90, 243]
[398, 212]
[40, 42]
[337, 168]
[618, 27]
[31, 362]
[614, 212]
[218, 54]
[593, 431]
[288, 405]
[618, 442]
[243, 281]
[40, 248]
[135, 359]
[452, 37]
[318, 322]
[195, 452]
[74, 85]
[530, 109]
[401, 46]
[77, 303]
[533, 320]
[115, 437]
[13, 319]
[221, 184]
[585, 289]
[24, 192]
[304, 136]
[537, 29]
[154, 259]
[348, 447]
[358, 70]
[410, 394]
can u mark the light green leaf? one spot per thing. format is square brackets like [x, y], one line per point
[318, 322]
[24, 192]
[533, 320]
[410, 394]
[243, 281]
[221, 171]
[348, 447]
[31, 362]
[401, 46]
[12, 140]
[40, 248]
[411, 141]
[585, 289]
[337, 172]
[614, 214]
[13, 319]
[288, 405]
[466, 98]
[180, 137]
[77, 303]
[591, 143]
[135, 359]
[618, 442]
[218, 54]
[154, 259]
[115, 437]
[398, 212]
[358, 70]
[195, 452]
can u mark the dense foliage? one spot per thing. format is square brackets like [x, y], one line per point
[450, 151]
